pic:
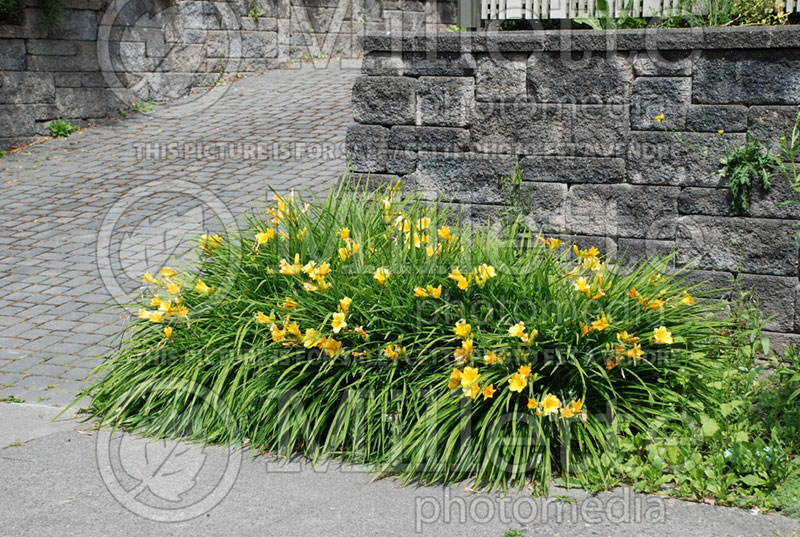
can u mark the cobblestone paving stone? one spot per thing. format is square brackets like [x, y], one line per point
[79, 226]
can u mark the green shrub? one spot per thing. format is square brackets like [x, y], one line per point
[59, 127]
[379, 329]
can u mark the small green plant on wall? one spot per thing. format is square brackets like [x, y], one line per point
[743, 165]
[59, 127]
[252, 10]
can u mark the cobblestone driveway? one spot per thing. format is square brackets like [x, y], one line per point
[112, 197]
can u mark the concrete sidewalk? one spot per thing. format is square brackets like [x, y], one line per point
[79, 481]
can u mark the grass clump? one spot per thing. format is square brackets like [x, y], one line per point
[379, 329]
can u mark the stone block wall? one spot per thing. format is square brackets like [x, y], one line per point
[104, 55]
[453, 114]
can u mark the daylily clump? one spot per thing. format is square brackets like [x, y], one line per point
[363, 325]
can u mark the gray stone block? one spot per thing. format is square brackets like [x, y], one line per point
[200, 16]
[636, 251]
[441, 139]
[12, 54]
[445, 101]
[653, 96]
[388, 100]
[759, 246]
[544, 206]
[549, 129]
[25, 87]
[503, 78]
[67, 80]
[462, 177]
[84, 102]
[747, 77]
[77, 25]
[16, 121]
[573, 169]
[435, 63]
[401, 161]
[623, 211]
[593, 78]
[712, 118]
[367, 147]
[658, 158]
[259, 44]
[52, 47]
[763, 203]
[766, 123]
[714, 284]
[774, 296]
[382, 64]
[654, 62]
[780, 343]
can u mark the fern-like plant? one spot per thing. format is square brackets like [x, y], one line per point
[743, 165]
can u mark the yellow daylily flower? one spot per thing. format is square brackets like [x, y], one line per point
[344, 303]
[662, 336]
[484, 273]
[381, 275]
[265, 236]
[289, 303]
[420, 292]
[635, 352]
[209, 242]
[687, 299]
[517, 382]
[168, 272]
[148, 278]
[278, 335]
[312, 338]
[344, 233]
[601, 323]
[472, 392]
[660, 117]
[444, 233]
[464, 351]
[172, 288]
[455, 378]
[462, 328]
[262, 318]
[550, 404]
[576, 406]
[469, 376]
[524, 370]
[302, 233]
[456, 275]
[338, 322]
[362, 333]
[533, 403]
[492, 358]
[168, 332]
[488, 392]
[201, 287]
[518, 330]
[435, 292]
[567, 412]
[582, 286]
[331, 346]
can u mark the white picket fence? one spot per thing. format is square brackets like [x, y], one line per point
[569, 9]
